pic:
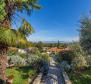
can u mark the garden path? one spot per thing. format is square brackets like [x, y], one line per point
[54, 75]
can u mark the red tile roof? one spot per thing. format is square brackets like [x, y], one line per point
[55, 49]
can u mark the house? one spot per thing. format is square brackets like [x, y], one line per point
[54, 50]
[22, 51]
[45, 49]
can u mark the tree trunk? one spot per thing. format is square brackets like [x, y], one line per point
[3, 62]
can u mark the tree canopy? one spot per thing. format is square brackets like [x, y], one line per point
[9, 7]
[8, 35]
[85, 34]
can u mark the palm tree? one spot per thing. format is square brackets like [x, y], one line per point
[24, 31]
[9, 36]
[9, 7]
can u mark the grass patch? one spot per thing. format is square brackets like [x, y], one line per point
[80, 78]
[21, 74]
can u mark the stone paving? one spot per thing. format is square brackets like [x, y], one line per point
[54, 75]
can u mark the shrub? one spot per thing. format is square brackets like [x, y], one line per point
[85, 34]
[79, 63]
[17, 60]
[75, 57]
[34, 50]
[67, 56]
[23, 55]
[45, 57]
[32, 73]
[79, 60]
[65, 66]
[88, 59]
[12, 51]
[32, 58]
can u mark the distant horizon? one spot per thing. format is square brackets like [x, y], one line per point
[54, 41]
[65, 40]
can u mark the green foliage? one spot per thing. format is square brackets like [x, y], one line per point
[85, 34]
[8, 36]
[11, 52]
[22, 55]
[75, 57]
[9, 7]
[32, 73]
[2, 11]
[17, 60]
[79, 60]
[88, 59]
[21, 75]
[45, 57]
[17, 75]
[65, 66]
[80, 78]
[35, 51]
[39, 45]
[26, 28]
[67, 56]
[44, 44]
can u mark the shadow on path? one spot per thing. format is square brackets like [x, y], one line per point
[54, 75]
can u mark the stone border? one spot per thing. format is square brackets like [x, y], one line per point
[37, 79]
[65, 76]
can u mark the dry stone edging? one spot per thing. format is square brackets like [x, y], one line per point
[65, 76]
[38, 79]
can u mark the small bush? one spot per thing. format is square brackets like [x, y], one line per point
[75, 57]
[16, 60]
[32, 73]
[22, 55]
[67, 56]
[12, 52]
[65, 66]
[45, 57]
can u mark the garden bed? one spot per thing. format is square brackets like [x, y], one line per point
[21, 75]
[81, 77]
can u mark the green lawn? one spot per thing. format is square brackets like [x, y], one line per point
[81, 78]
[20, 75]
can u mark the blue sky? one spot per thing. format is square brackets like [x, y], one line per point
[58, 19]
